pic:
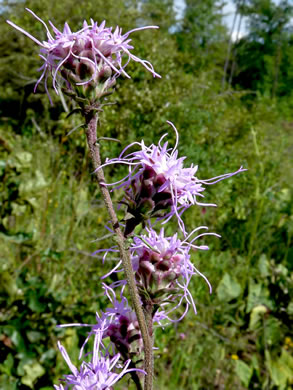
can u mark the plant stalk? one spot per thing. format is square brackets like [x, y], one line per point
[148, 313]
[91, 134]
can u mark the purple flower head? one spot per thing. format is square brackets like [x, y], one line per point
[119, 323]
[92, 54]
[158, 184]
[163, 271]
[122, 325]
[163, 268]
[100, 373]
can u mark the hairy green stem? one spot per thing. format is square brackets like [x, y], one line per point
[148, 313]
[91, 133]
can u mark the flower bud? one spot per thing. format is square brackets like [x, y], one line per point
[163, 265]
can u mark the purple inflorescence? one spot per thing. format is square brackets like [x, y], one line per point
[118, 322]
[86, 55]
[100, 373]
[163, 271]
[158, 184]
[122, 325]
[163, 268]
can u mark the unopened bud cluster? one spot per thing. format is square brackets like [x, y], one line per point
[156, 274]
[144, 199]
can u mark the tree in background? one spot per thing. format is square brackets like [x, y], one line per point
[262, 54]
[157, 12]
[201, 35]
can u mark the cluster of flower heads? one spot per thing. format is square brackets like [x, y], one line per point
[86, 56]
[105, 368]
[158, 184]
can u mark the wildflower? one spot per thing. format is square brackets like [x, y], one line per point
[234, 357]
[84, 58]
[100, 373]
[123, 328]
[158, 185]
[163, 269]
[119, 323]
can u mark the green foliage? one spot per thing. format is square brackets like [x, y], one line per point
[202, 33]
[51, 211]
[262, 55]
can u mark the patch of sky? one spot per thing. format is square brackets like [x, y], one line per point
[229, 10]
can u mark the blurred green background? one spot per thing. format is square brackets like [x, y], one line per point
[231, 101]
